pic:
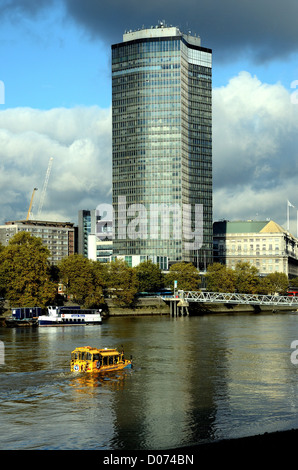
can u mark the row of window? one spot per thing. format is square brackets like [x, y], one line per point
[141, 48]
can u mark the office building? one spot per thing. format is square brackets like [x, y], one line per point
[94, 236]
[86, 226]
[162, 146]
[264, 244]
[58, 237]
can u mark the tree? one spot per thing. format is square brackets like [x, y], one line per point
[82, 279]
[25, 271]
[122, 283]
[294, 283]
[246, 278]
[278, 283]
[185, 274]
[149, 276]
[220, 278]
[264, 286]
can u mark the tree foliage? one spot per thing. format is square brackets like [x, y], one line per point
[246, 278]
[186, 275]
[122, 283]
[277, 283]
[149, 276]
[294, 282]
[220, 278]
[25, 271]
[83, 280]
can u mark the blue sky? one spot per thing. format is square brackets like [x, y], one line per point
[49, 62]
[55, 66]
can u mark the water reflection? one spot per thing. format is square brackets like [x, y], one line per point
[112, 380]
[194, 379]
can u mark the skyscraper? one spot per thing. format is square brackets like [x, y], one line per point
[162, 146]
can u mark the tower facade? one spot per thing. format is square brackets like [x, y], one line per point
[162, 146]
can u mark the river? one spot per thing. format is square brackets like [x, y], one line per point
[194, 380]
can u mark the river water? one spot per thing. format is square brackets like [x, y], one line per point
[195, 379]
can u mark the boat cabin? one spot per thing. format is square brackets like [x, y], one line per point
[88, 359]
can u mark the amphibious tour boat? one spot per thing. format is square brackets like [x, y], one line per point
[62, 316]
[88, 359]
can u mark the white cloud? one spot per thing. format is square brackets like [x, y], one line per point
[78, 139]
[255, 150]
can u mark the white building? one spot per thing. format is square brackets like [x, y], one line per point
[265, 245]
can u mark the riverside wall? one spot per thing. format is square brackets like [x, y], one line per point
[156, 306]
[143, 306]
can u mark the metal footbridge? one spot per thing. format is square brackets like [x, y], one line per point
[181, 300]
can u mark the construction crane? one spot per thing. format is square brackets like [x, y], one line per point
[31, 202]
[45, 186]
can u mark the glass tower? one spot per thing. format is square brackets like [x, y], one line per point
[162, 146]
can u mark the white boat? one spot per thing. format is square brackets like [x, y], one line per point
[62, 316]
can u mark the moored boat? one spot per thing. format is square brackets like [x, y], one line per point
[89, 359]
[11, 322]
[62, 316]
[23, 316]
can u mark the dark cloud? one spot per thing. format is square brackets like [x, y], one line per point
[266, 29]
[18, 8]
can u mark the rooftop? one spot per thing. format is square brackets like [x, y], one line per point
[161, 30]
[40, 222]
[248, 226]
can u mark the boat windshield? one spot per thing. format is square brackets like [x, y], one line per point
[81, 356]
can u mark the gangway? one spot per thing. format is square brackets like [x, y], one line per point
[181, 299]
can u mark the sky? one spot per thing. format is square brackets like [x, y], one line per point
[55, 102]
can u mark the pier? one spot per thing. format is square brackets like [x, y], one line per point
[179, 303]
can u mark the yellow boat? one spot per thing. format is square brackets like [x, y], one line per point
[89, 359]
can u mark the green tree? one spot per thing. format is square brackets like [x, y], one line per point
[25, 271]
[278, 283]
[264, 286]
[149, 276]
[220, 278]
[294, 283]
[83, 280]
[122, 283]
[186, 275]
[246, 278]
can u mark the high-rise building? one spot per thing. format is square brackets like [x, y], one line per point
[162, 146]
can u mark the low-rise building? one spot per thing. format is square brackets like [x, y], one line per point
[264, 244]
[58, 237]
